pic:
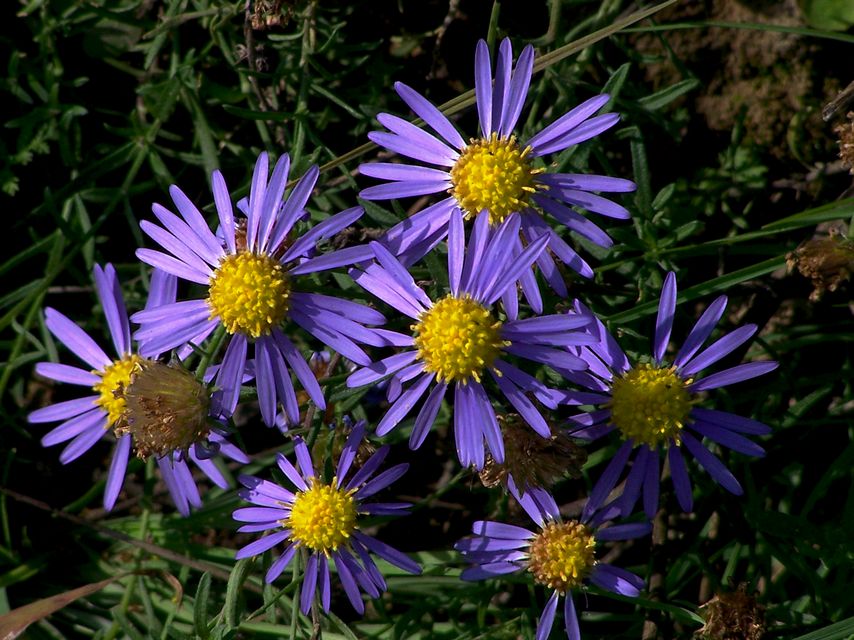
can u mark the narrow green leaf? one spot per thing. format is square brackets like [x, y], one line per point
[200, 610]
[667, 95]
[843, 630]
[232, 591]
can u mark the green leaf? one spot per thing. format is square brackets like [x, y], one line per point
[200, 610]
[667, 95]
[840, 631]
[833, 15]
[232, 591]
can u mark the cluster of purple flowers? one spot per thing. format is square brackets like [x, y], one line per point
[256, 310]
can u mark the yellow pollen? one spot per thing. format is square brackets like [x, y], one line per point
[493, 174]
[249, 293]
[323, 517]
[650, 405]
[457, 339]
[111, 389]
[562, 555]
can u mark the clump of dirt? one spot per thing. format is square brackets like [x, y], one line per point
[767, 77]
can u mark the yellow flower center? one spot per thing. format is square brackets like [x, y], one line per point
[111, 389]
[562, 555]
[249, 293]
[457, 339]
[166, 409]
[650, 405]
[493, 174]
[322, 518]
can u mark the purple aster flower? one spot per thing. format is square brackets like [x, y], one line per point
[322, 518]
[496, 173]
[250, 269]
[86, 420]
[561, 556]
[652, 406]
[459, 338]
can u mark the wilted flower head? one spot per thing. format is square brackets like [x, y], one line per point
[530, 459]
[166, 409]
[826, 260]
[733, 616]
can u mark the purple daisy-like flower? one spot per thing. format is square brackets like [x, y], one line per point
[86, 420]
[496, 173]
[251, 269]
[560, 556]
[457, 339]
[652, 406]
[322, 518]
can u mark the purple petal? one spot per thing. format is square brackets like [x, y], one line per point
[261, 545]
[624, 531]
[483, 87]
[500, 530]
[436, 153]
[222, 199]
[309, 581]
[273, 201]
[259, 514]
[664, 319]
[427, 415]
[178, 497]
[710, 463]
[212, 249]
[176, 247]
[326, 229]
[368, 468]
[171, 265]
[404, 404]
[94, 419]
[116, 474]
[65, 373]
[589, 129]
[291, 473]
[518, 90]
[731, 376]
[430, 114]
[616, 580]
[383, 480]
[389, 554]
[114, 307]
[501, 85]
[569, 121]
[180, 229]
[63, 410]
[650, 485]
[76, 339]
[728, 439]
[591, 202]
[456, 250]
[585, 182]
[523, 405]
[299, 366]
[380, 369]
[408, 189]
[468, 430]
[731, 421]
[230, 374]
[718, 350]
[353, 310]
[544, 626]
[488, 571]
[608, 480]
[681, 481]
[349, 583]
[81, 444]
[281, 563]
[701, 331]
[303, 458]
[570, 619]
[256, 200]
[330, 338]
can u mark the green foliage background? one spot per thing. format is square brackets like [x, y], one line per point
[110, 102]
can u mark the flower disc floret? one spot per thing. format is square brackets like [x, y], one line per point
[249, 293]
[115, 379]
[457, 339]
[322, 517]
[493, 174]
[562, 555]
[650, 405]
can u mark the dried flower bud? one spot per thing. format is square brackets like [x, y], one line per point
[166, 409]
[826, 260]
[733, 616]
[532, 460]
[845, 132]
